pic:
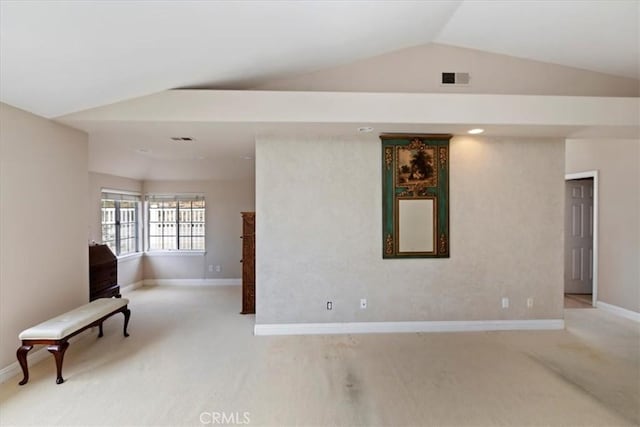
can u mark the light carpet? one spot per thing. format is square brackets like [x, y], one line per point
[192, 359]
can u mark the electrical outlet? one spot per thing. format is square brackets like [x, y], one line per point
[363, 303]
[505, 302]
[529, 302]
[211, 268]
[329, 305]
[218, 268]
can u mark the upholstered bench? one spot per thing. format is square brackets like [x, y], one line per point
[56, 332]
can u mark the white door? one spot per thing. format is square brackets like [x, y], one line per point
[578, 259]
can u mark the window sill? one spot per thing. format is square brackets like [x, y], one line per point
[175, 253]
[131, 256]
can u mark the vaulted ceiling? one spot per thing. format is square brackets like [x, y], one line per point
[58, 57]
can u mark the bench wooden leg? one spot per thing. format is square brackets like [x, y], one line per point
[127, 314]
[58, 353]
[22, 358]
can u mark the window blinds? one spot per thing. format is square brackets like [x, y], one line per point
[173, 197]
[120, 195]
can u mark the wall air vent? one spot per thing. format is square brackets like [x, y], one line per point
[455, 79]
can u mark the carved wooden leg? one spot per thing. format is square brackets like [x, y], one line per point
[58, 353]
[100, 334]
[127, 314]
[22, 358]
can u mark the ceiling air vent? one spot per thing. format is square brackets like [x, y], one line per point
[182, 139]
[455, 79]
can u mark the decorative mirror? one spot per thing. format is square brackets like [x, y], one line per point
[415, 196]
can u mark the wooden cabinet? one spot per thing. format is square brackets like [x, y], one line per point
[103, 273]
[248, 262]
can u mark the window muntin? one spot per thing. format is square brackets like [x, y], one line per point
[109, 223]
[120, 222]
[177, 224]
[128, 227]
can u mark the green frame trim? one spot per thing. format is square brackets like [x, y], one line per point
[392, 191]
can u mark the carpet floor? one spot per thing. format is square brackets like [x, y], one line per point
[192, 359]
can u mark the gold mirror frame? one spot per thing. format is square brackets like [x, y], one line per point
[415, 167]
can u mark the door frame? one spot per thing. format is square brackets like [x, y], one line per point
[594, 265]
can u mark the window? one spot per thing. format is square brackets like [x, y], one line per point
[176, 223]
[120, 222]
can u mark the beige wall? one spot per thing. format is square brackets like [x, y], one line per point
[618, 163]
[43, 223]
[418, 69]
[130, 268]
[224, 202]
[318, 234]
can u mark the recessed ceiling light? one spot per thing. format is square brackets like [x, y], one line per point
[365, 129]
[475, 131]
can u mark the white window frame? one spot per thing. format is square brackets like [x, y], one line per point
[176, 197]
[118, 196]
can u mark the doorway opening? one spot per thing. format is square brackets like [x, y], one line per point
[581, 240]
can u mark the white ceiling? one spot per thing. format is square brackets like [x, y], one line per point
[58, 57]
[133, 138]
[224, 151]
[590, 34]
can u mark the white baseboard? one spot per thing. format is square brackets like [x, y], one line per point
[622, 312]
[192, 282]
[34, 357]
[132, 287]
[398, 327]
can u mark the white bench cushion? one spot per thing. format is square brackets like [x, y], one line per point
[65, 324]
